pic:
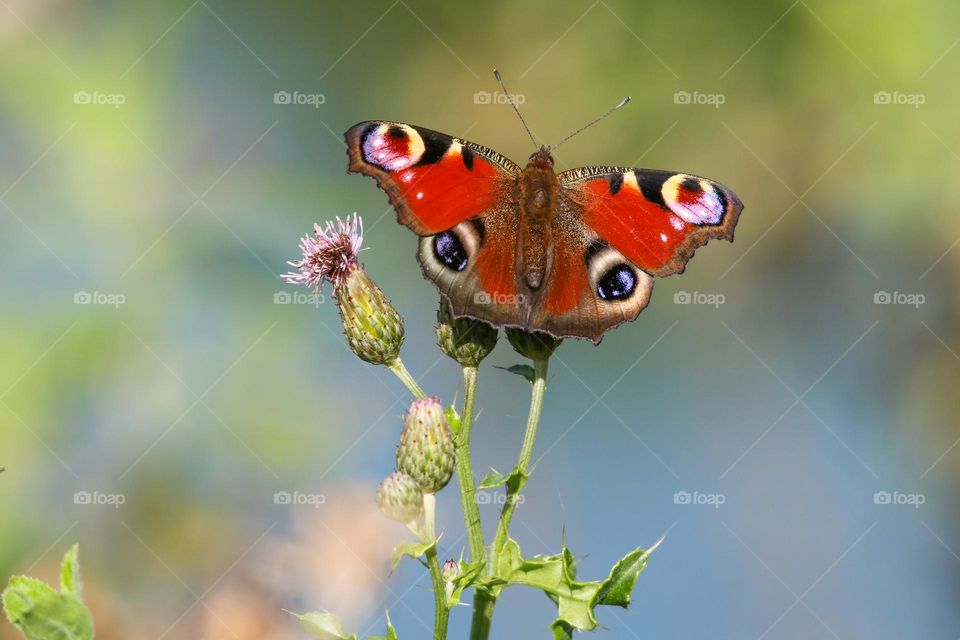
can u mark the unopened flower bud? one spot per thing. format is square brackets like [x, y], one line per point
[373, 327]
[535, 345]
[400, 498]
[426, 446]
[450, 570]
[466, 340]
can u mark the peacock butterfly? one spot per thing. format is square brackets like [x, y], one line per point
[572, 253]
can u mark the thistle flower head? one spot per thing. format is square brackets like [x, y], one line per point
[426, 445]
[329, 254]
[373, 328]
[400, 498]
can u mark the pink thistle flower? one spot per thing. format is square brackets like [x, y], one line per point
[329, 254]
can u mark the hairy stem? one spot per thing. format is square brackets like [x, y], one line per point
[401, 371]
[441, 611]
[484, 602]
[468, 488]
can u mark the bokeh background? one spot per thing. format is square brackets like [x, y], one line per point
[147, 171]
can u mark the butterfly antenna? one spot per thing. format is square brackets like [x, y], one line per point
[496, 74]
[590, 124]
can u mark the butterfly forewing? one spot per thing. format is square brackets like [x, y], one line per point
[657, 219]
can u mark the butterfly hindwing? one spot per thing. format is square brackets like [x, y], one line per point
[592, 286]
[657, 219]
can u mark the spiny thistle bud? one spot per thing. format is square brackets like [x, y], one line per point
[534, 345]
[373, 327]
[450, 570]
[426, 446]
[400, 498]
[466, 340]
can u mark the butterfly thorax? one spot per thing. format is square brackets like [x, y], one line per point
[538, 195]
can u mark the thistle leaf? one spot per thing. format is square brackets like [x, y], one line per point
[410, 548]
[40, 613]
[522, 370]
[324, 626]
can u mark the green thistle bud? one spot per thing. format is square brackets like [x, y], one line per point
[426, 446]
[466, 340]
[534, 345]
[373, 327]
[400, 498]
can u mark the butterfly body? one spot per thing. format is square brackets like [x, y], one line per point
[572, 253]
[538, 203]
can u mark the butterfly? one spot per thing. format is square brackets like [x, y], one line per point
[572, 254]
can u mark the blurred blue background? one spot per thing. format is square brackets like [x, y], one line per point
[792, 428]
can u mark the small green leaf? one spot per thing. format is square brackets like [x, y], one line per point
[453, 418]
[515, 480]
[323, 626]
[493, 479]
[409, 548]
[41, 613]
[616, 589]
[391, 632]
[562, 630]
[70, 583]
[522, 370]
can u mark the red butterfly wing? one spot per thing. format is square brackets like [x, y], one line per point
[461, 199]
[656, 219]
[433, 180]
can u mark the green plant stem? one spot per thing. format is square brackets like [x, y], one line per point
[484, 602]
[401, 371]
[468, 487]
[441, 610]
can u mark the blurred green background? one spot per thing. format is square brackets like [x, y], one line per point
[149, 172]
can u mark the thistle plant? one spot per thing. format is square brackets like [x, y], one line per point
[435, 442]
